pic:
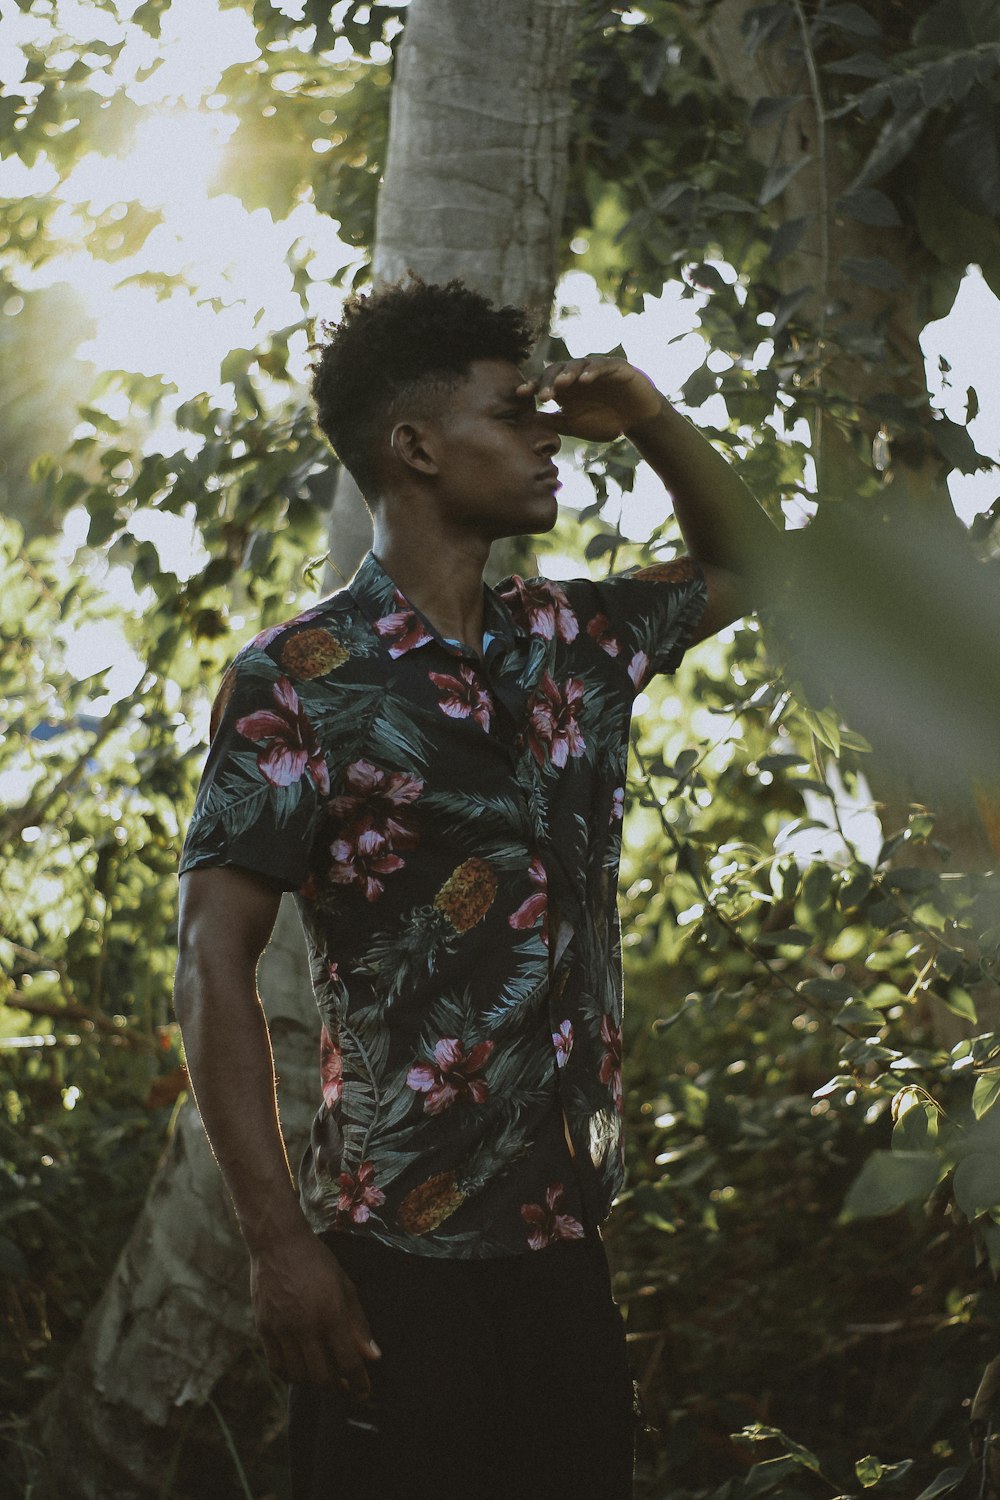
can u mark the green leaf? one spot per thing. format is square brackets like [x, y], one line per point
[698, 387]
[970, 154]
[857, 884]
[985, 1093]
[778, 177]
[889, 1180]
[897, 139]
[946, 1481]
[971, 404]
[961, 1003]
[764, 1477]
[825, 726]
[869, 1471]
[955, 443]
[757, 1432]
[851, 18]
[769, 109]
[835, 991]
[857, 1013]
[764, 25]
[916, 1126]
[788, 237]
[869, 206]
[790, 937]
[788, 305]
[860, 65]
[977, 1183]
[874, 271]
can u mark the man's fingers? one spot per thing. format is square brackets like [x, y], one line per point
[293, 1365]
[359, 1323]
[557, 378]
[351, 1368]
[318, 1365]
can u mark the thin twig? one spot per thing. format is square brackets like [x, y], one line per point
[75, 1012]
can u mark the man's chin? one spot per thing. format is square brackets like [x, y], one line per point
[537, 520]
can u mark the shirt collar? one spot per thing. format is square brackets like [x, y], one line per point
[401, 626]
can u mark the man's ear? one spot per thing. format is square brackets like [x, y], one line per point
[411, 446]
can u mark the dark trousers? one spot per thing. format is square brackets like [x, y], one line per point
[500, 1379]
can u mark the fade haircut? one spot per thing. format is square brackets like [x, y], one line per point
[404, 346]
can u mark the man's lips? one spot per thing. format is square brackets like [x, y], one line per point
[550, 477]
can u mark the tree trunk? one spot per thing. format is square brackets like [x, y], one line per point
[474, 187]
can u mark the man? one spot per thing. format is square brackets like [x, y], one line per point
[437, 770]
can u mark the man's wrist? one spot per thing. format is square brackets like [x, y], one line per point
[646, 426]
[273, 1226]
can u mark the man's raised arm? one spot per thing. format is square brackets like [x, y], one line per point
[724, 528]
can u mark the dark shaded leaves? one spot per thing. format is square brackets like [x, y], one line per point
[778, 177]
[869, 206]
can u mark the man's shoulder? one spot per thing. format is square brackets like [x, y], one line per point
[325, 633]
[301, 661]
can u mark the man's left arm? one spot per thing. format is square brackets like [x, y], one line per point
[724, 528]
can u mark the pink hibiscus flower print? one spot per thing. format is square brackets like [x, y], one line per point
[546, 1223]
[403, 630]
[373, 808]
[290, 747]
[454, 1074]
[552, 727]
[562, 1041]
[638, 669]
[353, 865]
[617, 804]
[359, 1195]
[537, 904]
[611, 1063]
[544, 608]
[597, 629]
[463, 696]
[331, 1069]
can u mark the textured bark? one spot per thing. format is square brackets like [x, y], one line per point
[478, 147]
[174, 1319]
[474, 187]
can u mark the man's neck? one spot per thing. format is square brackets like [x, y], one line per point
[441, 575]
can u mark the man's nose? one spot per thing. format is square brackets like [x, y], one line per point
[548, 442]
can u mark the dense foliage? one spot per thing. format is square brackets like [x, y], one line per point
[813, 1219]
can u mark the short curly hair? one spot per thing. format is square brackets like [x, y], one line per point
[413, 343]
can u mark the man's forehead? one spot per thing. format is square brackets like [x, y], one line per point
[496, 380]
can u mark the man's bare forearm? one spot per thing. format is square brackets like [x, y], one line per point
[232, 1073]
[720, 520]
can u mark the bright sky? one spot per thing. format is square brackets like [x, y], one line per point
[237, 257]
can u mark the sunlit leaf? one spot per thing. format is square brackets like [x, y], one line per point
[889, 1180]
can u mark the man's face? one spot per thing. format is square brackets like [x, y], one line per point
[493, 452]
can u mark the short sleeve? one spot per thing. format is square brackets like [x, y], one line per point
[260, 801]
[651, 614]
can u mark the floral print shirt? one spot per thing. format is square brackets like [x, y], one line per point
[452, 827]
